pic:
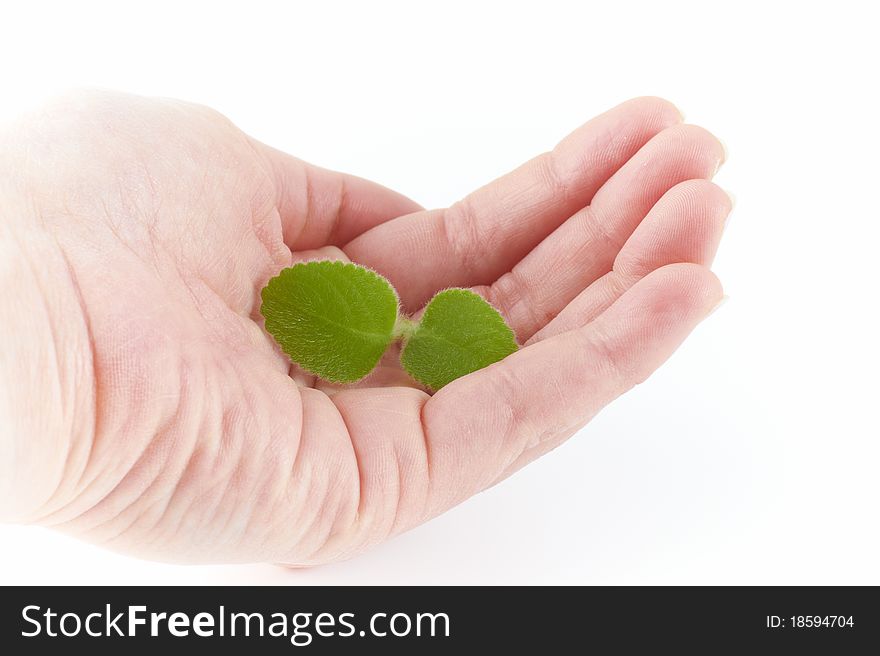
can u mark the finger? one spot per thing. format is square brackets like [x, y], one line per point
[477, 239]
[319, 207]
[583, 249]
[684, 226]
[479, 426]
[393, 465]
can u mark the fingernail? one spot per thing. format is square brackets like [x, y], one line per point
[714, 309]
[681, 113]
[732, 198]
[724, 153]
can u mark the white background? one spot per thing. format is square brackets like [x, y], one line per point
[752, 456]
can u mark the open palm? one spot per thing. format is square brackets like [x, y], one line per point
[175, 429]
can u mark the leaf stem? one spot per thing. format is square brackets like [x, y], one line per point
[404, 328]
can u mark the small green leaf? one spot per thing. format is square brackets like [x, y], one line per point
[334, 319]
[459, 333]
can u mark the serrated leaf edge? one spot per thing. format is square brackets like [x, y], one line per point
[456, 291]
[461, 291]
[339, 264]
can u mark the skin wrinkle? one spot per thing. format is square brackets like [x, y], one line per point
[185, 277]
[92, 365]
[330, 544]
[277, 252]
[278, 184]
[506, 426]
[333, 529]
[108, 498]
[172, 495]
[339, 524]
[543, 447]
[618, 283]
[136, 464]
[307, 528]
[395, 514]
[552, 429]
[112, 538]
[393, 527]
[599, 343]
[503, 294]
[358, 464]
[311, 502]
[595, 224]
[232, 450]
[309, 202]
[194, 452]
[53, 333]
[333, 232]
[613, 285]
[516, 426]
[162, 444]
[231, 488]
[253, 312]
[276, 450]
[426, 440]
[554, 179]
[151, 234]
[318, 530]
[460, 233]
[384, 515]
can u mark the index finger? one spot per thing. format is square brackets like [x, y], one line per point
[321, 207]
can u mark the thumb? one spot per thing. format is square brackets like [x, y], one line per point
[320, 207]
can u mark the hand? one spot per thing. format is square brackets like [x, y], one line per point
[145, 408]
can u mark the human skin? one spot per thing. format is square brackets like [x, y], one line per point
[144, 408]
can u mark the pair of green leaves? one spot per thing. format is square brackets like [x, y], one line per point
[336, 319]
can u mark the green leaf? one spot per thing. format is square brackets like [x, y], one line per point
[459, 333]
[334, 319]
